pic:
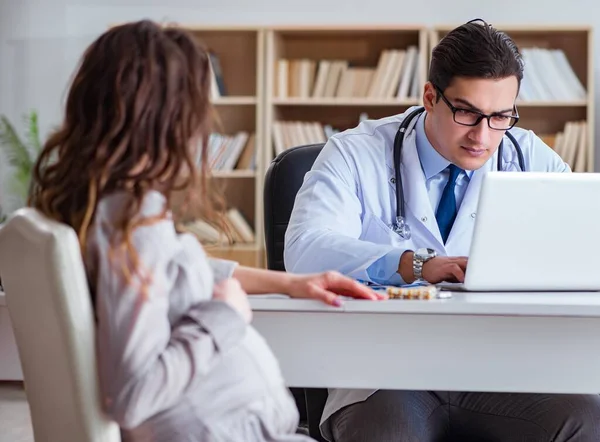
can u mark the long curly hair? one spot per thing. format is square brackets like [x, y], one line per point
[137, 112]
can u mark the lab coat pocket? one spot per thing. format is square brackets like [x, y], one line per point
[376, 231]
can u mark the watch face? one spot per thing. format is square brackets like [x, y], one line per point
[425, 253]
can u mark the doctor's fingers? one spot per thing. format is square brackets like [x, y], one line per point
[461, 261]
[456, 271]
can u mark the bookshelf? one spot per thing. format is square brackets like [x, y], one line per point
[270, 75]
[237, 60]
[320, 80]
[557, 93]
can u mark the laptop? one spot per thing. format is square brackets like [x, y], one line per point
[535, 231]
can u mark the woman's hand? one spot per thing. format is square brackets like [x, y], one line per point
[231, 292]
[327, 286]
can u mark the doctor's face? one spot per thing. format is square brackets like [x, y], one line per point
[469, 147]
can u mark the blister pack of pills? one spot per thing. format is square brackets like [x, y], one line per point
[417, 292]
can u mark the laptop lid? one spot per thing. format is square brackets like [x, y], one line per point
[536, 231]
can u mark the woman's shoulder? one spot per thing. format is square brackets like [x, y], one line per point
[114, 205]
[153, 230]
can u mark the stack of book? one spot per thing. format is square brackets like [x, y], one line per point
[571, 144]
[549, 76]
[231, 152]
[237, 225]
[396, 76]
[217, 85]
[288, 134]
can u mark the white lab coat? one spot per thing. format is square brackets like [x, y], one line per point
[344, 210]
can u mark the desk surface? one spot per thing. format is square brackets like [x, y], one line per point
[512, 342]
[576, 304]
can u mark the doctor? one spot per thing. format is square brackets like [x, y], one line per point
[345, 218]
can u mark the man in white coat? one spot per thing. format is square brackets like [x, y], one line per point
[344, 213]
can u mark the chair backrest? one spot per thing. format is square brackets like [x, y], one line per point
[282, 182]
[51, 311]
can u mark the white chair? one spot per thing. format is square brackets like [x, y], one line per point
[51, 311]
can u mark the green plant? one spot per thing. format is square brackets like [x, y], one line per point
[17, 158]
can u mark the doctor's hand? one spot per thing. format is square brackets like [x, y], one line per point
[438, 269]
[445, 268]
[327, 286]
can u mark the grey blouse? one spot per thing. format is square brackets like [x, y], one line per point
[176, 365]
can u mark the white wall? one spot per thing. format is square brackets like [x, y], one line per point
[40, 40]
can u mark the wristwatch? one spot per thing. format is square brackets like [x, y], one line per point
[420, 257]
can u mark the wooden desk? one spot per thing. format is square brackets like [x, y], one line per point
[517, 342]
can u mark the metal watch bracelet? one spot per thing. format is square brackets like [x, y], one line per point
[417, 267]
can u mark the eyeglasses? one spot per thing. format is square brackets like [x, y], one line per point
[470, 117]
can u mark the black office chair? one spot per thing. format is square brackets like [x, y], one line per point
[282, 182]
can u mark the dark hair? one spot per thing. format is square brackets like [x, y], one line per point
[474, 50]
[137, 111]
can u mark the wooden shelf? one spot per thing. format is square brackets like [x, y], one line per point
[245, 247]
[235, 101]
[579, 103]
[549, 119]
[351, 29]
[295, 101]
[239, 51]
[234, 174]
[246, 254]
[544, 29]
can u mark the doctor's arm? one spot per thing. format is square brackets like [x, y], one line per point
[386, 269]
[325, 231]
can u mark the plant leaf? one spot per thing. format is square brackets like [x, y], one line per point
[20, 184]
[11, 144]
[9, 201]
[32, 135]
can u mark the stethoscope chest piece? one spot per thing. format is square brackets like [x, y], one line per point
[401, 228]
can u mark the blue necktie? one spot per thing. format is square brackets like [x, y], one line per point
[446, 212]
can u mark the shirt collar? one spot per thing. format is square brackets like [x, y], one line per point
[432, 162]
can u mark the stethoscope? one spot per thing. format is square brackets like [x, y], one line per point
[400, 226]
